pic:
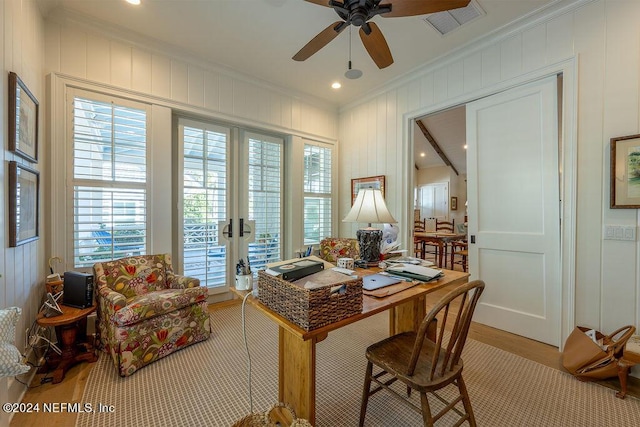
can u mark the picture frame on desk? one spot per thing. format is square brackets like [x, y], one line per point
[24, 189]
[23, 120]
[375, 182]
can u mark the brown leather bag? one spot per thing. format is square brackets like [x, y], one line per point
[587, 361]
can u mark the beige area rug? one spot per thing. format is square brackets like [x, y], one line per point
[206, 384]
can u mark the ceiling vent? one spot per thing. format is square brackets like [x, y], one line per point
[449, 20]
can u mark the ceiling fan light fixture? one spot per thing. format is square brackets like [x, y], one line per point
[352, 73]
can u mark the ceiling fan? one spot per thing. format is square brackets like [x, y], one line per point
[359, 12]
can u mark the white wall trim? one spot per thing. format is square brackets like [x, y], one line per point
[569, 168]
[185, 109]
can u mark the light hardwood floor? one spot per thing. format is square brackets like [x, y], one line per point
[72, 387]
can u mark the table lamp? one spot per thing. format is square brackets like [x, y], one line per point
[369, 207]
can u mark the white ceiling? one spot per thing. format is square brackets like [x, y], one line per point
[258, 37]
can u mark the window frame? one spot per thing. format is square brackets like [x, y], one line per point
[71, 182]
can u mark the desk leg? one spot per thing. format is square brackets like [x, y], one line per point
[407, 317]
[297, 374]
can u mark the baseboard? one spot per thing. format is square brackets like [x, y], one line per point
[15, 389]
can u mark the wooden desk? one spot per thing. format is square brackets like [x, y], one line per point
[297, 347]
[441, 239]
[71, 332]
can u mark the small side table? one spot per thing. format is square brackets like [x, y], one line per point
[71, 331]
[630, 357]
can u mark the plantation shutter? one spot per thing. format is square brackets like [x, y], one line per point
[265, 198]
[109, 179]
[204, 194]
[317, 193]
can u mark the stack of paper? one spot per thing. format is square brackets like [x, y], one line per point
[418, 272]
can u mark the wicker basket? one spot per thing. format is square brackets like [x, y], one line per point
[309, 308]
[279, 415]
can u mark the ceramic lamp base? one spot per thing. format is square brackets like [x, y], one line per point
[369, 240]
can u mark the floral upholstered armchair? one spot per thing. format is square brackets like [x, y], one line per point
[332, 248]
[146, 312]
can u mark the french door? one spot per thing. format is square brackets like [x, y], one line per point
[230, 201]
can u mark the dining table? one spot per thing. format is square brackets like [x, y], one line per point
[441, 239]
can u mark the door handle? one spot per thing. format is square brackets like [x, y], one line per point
[228, 231]
[242, 229]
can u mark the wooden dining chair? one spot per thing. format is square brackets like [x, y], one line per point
[418, 245]
[459, 254]
[433, 248]
[427, 361]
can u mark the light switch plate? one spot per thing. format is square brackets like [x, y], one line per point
[620, 232]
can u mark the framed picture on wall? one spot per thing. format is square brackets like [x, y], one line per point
[375, 182]
[23, 120]
[454, 203]
[24, 186]
[625, 172]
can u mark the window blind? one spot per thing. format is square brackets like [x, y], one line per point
[317, 193]
[265, 198]
[109, 180]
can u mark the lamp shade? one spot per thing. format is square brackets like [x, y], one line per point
[369, 207]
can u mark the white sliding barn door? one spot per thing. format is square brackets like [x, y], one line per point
[514, 209]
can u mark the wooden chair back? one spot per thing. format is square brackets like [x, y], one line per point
[447, 226]
[419, 225]
[446, 351]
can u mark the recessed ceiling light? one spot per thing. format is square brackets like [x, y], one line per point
[136, 2]
[423, 154]
[336, 85]
[464, 146]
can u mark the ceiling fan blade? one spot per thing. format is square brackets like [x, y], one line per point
[421, 7]
[320, 41]
[376, 45]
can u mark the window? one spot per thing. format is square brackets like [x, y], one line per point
[317, 193]
[109, 179]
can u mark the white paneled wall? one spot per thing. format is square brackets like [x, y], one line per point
[22, 269]
[604, 37]
[77, 51]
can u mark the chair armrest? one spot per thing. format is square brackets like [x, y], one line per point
[176, 281]
[110, 300]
